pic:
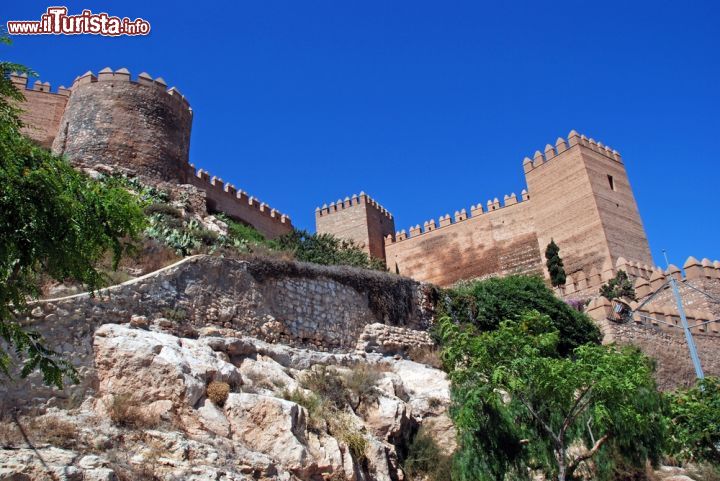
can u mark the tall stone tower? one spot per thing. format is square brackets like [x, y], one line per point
[358, 218]
[137, 125]
[581, 197]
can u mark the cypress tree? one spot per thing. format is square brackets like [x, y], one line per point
[555, 264]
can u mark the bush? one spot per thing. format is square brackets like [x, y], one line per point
[343, 428]
[164, 209]
[426, 461]
[361, 383]
[328, 250]
[127, 412]
[318, 409]
[694, 416]
[55, 431]
[218, 392]
[325, 382]
[487, 303]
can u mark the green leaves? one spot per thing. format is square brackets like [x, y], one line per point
[55, 221]
[486, 304]
[694, 417]
[554, 264]
[328, 250]
[619, 286]
[519, 402]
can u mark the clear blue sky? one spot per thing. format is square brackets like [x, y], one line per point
[427, 106]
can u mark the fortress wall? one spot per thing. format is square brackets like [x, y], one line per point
[235, 203]
[564, 207]
[499, 242]
[617, 208]
[358, 218]
[42, 109]
[673, 365]
[138, 125]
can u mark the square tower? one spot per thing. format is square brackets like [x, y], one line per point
[360, 219]
[581, 197]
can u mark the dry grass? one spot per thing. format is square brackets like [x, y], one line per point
[218, 392]
[343, 428]
[426, 355]
[127, 412]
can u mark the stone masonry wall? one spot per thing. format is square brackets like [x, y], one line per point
[358, 218]
[300, 305]
[42, 109]
[673, 366]
[499, 242]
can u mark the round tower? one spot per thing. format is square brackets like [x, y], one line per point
[138, 125]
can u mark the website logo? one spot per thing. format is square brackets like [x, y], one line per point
[56, 21]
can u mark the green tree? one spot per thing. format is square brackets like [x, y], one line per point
[487, 303]
[694, 416]
[554, 264]
[619, 286]
[518, 404]
[54, 221]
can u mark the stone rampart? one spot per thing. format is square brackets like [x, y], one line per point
[301, 305]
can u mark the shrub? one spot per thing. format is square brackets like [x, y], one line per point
[361, 383]
[164, 209]
[55, 431]
[218, 392]
[343, 428]
[125, 411]
[618, 286]
[487, 303]
[425, 460]
[328, 250]
[318, 410]
[325, 382]
[694, 416]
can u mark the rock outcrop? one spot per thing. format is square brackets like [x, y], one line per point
[148, 415]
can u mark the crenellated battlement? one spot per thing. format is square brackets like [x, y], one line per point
[124, 76]
[550, 151]
[21, 81]
[217, 189]
[458, 217]
[646, 278]
[349, 202]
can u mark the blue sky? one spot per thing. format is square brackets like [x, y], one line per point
[428, 106]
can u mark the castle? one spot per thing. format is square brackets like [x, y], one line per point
[578, 194]
[137, 125]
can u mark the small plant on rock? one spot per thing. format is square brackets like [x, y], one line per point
[218, 392]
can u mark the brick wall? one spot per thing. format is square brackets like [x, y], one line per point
[498, 242]
[42, 110]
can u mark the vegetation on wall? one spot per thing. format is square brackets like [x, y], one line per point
[53, 221]
[619, 286]
[554, 264]
[327, 249]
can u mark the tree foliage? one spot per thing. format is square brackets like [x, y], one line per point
[53, 220]
[619, 286]
[554, 264]
[694, 421]
[327, 249]
[518, 404]
[485, 304]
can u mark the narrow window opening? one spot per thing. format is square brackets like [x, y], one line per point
[611, 181]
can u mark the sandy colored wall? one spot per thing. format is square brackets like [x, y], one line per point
[497, 242]
[42, 110]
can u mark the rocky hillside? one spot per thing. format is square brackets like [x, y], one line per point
[225, 370]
